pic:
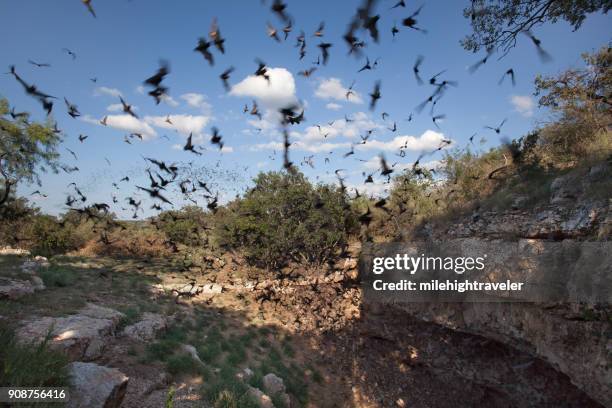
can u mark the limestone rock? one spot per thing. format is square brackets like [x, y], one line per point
[273, 384]
[95, 386]
[14, 289]
[189, 349]
[81, 336]
[262, 399]
[147, 328]
[7, 250]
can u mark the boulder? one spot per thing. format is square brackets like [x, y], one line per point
[189, 349]
[80, 336]
[30, 266]
[273, 384]
[262, 399]
[14, 289]
[95, 386]
[147, 328]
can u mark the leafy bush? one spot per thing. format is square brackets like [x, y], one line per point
[49, 237]
[15, 216]
[184, 226]
[285, 218]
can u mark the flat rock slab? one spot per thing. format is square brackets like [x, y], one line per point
[81, 336]
[95, 386]
[14, 251]
[14, 289]
[147, 328]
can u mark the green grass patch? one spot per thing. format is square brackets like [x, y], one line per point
[30, 365]
[132, 314]
[293, 375]
[224, 390]
[58, 276]
[182, 364]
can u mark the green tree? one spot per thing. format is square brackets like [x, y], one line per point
[26, 149]
[580, 102]
[497, 23]
[285, 218]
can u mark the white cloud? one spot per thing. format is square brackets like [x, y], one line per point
[331, 88]
[115, 107]
[227, 149]
[523, 104]
[103, 90]
[371, 189]
[374, 164]
[333, 106]
[358, 124]
[198, 101]
[303, 146]
[125, 122]
[184, 124]
[170, 101]
[279, 92]
[429, 140]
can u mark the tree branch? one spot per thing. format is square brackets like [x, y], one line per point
[7, 183]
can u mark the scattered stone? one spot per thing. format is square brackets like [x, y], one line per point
[95, 386]
[189, 349]
[147, 328]
[273, 384]
[248, 373]
[262, 399]
[37, 282]
[30, 266]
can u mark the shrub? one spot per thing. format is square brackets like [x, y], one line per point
[285, 218]
[15, 216]
[49, 237]
[184, 226]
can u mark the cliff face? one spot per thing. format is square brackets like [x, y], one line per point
[573, 337]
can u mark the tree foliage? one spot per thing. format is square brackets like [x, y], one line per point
[497, 23]
[580, 101]
[285, 218]
[186, 226]
[26, 149]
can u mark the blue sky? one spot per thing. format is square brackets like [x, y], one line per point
[122, 47]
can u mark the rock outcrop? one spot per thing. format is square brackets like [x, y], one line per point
[147, 328]
[82, 336]
[13, 289]
[572, 337]
[95, 386]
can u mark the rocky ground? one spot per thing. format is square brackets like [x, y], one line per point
[140, 334]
